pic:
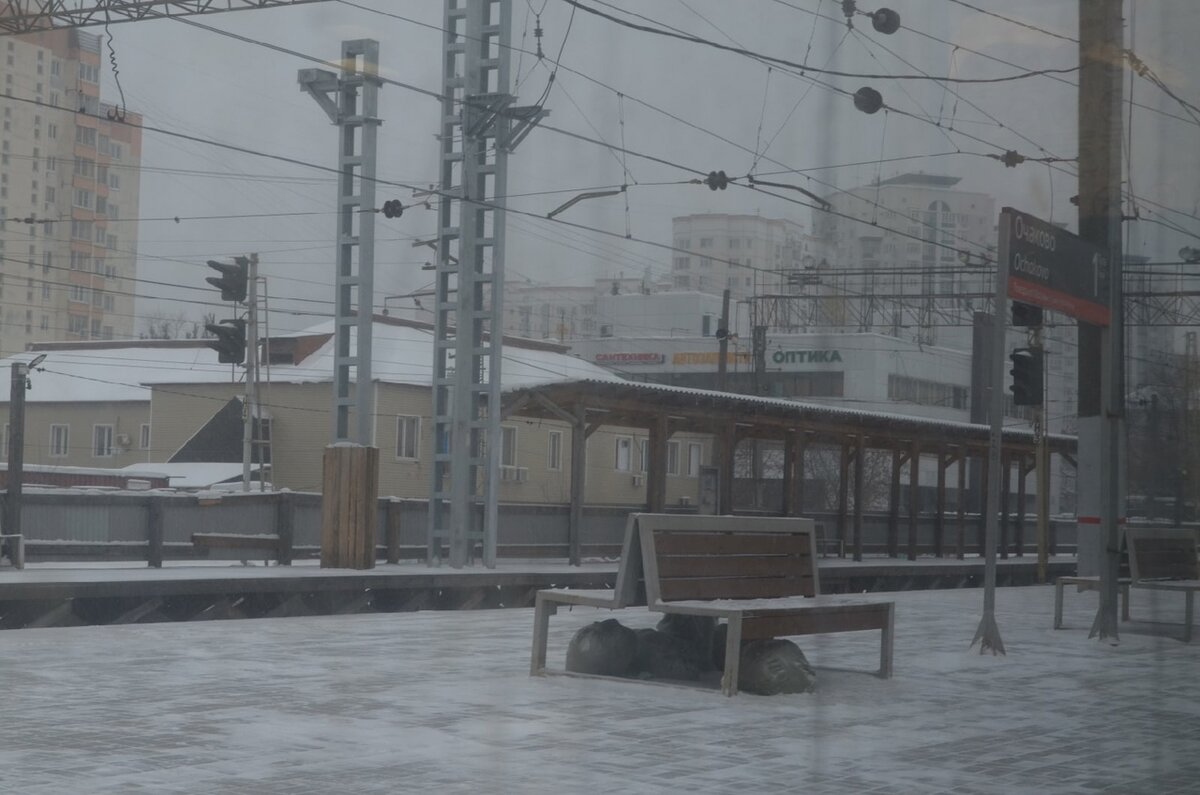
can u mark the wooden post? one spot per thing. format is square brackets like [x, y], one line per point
[728, 446]
[656, 478]
[893, 539]
[578, 481]
[154, 532]
[914, 498]
[1005, 494]
[843, 489]
[859, 457]
[349, 498]
[961, 542]
[939, 515]
[285, 517]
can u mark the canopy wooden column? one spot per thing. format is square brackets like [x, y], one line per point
[914, 497]
[843, 489]
[893, 529]
[726, 449]
[793, 472]
[964, 459]
[860, 454]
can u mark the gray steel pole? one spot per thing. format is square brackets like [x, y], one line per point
[988, 633]
[1100, 92]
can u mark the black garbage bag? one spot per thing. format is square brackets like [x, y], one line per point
[772, 666]
[605, 648]
[695, 632]
[664, 656]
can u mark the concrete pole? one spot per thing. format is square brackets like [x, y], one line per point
[251, 398]
[16, 449]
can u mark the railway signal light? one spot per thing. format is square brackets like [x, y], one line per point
[1027, 376]
[230, 340]
[1026, 315]
[233, 278]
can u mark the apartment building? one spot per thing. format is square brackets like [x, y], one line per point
[69, 176]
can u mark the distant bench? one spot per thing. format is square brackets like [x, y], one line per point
[759, 574]
[1166, 560]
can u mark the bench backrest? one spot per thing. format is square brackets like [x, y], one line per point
[727, 557]
[1157, 554]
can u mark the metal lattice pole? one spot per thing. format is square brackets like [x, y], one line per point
[351, 101]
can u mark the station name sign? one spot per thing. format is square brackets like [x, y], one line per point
[629, 358]
[1054, 269]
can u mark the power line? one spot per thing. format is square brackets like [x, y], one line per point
[1012, 21]
[796, 65]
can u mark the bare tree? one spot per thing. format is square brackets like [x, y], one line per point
[160, 325]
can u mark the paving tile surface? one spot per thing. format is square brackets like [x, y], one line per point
[442, 702]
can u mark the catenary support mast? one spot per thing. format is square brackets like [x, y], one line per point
[479, 127]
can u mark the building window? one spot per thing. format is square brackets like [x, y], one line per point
[144, 437]
[672, 458]
[554, 451]
[508, 446]
[102, 441]
[60, 437]
[695, 455]
[408, 434]
[4, 444]
[644, 449]
[624, 453]
[706, 242]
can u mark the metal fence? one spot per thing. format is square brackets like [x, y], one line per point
[82, 525]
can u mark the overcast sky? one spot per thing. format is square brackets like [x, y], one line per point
[191, 80]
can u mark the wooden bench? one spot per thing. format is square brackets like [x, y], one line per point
[1166, 560]
[1087, 584]
[759, 574]
[268, 543]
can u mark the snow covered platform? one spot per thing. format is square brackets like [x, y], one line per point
[61, 594]
[442, 702]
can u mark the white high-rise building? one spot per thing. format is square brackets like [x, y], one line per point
[746, 254]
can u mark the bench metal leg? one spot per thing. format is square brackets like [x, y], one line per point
[1187, 616]
[885, 644]
[542, 610]
[733, 656]
[1058, 603]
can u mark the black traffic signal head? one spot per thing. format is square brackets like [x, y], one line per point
[230, 342]
[393, 209]
[716, 180]
[233, 279]
[1026, 314]
[1027, 376]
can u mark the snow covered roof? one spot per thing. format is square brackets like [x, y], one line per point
[678, 396]
[402, 354]
[193, 475]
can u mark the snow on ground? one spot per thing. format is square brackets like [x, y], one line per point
[442, 702]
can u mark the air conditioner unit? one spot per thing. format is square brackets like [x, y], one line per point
[514, 474]
[123, 440]
[637, 480]
[685, 500]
